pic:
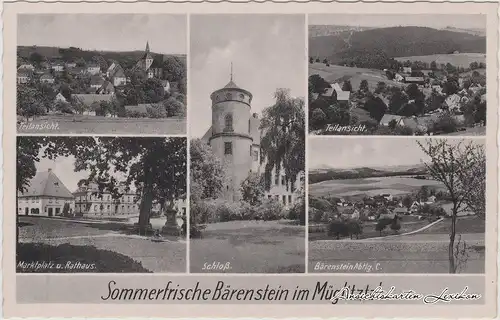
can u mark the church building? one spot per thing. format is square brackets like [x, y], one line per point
[148, 64]
[234, 137]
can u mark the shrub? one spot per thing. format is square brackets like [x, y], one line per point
[174, 107]
[355, 227]
[338, 228]
[445, 123]
[156, 111]
[271, 209]
[298, 212]
[315, 215]
[395, 225]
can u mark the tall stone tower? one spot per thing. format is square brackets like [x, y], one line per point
[148, 57]
[235, 136]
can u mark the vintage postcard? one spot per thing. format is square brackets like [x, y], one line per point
[250, 159]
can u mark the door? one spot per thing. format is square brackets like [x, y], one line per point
[26, 211]
[50, 212]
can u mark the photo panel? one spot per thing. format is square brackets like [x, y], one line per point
[247, 131]
[118, 75]
[399, 74]
[101, 204]
[397, 205]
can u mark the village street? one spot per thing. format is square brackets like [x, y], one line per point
[167, 256]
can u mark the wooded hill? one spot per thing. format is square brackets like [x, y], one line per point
[393, 42]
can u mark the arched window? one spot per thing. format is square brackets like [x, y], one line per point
[228, 122]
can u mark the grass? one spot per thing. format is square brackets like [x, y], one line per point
[335, 73]
[250, 247]
[103, 125]
[98, 260]
[458, 60]
[463, 225]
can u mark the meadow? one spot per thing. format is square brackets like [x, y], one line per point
[103, 125]
[397, 185]
[339, 74]
[458, 59]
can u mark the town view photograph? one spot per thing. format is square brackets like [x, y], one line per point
[419, 74]
[247, 149]
[397, 205]
[118, 75]
[107, 204]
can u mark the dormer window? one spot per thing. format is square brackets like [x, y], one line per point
[228, 123]
[229, 96]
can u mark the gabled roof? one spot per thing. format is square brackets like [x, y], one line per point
[96, 80]
[47, 184]
[231, 85]
[89, 99]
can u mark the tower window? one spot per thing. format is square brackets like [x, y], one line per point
[248, 126]
[228, 148]
[250, 151]
[228, 122]
[255, 155]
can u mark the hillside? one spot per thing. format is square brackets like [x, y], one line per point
[71, 54]
[319, 175]
[394, 42]
[458, 60]
[328, 30]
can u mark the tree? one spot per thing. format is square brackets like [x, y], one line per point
[283, 137]
[407, 201]
[174, 68]
[347, 86]
[450, 163]
[381, 87]
[252, 189]
[397, 99]
[174, 107]
[207, 172]
[30, 102]
[423, 193]
[395, 225]
[363, 87]
[433, 65]
[317, 84]
[380, 226]
[36, 58]
[355, 228]
[338, 228]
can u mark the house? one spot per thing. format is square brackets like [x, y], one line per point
[341, 202]
[437, 88]
[47, 78]
[77, 70]
[166, 85]
[96, 82]
[389, 215]
[415, 206]
[387, 196]
[93, 68]
[388, 118]
[398, 77]
[407, 70]
[106, 88]
[453, 102]
[92, 101]
[149, 65]
[417, 80]
[58, 67]
[400, 211]
[70, 65]
[60, 98]
[139, 110]
[116, 74]
[27, 66]
[24, 76]
[343, 95]
[46, 196]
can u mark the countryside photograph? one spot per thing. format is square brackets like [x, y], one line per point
[397, 205]
[420, 74]
[118, 75]
[107, 204]
[247, 149]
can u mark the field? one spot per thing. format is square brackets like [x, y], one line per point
[370, 186]
[103, 125]
[336, 73]
[250, 247]
[458, 60]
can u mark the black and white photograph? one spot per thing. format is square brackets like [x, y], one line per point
[397, 205]
[101, 73]
[103, 205]
[409, 74]
[247, 147]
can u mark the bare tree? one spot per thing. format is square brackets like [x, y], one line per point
[459, 167]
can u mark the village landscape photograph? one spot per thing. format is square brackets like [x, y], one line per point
[419, 74]
[118, 75]
[397, 205]
[247, 147]
[107, 204]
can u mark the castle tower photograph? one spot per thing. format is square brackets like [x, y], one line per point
[247, 88]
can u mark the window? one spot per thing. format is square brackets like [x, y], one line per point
[228, 122]
[249, 126]
[109, 207]
[284, 200]
[277, 197]
[229, 96]
[283, 180]
[242, 97]
[57, 211]
[250, 151]
[95, 207]
[276, 180]
[228, 148]
[255, 155]
[289, 198]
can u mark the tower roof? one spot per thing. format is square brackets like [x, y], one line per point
[231, 85]
[147, 46]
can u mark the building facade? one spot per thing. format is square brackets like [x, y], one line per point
[45, 196]
[234, 137]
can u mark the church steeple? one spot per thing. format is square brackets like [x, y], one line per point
[147, 46]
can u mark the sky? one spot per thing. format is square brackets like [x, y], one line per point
[63, 167]
[105, 32]
[267, 51]
[438, 21]
[362, 152]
